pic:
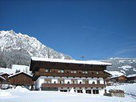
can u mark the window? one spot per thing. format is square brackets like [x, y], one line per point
[74, 71]
[61, 82]
[46, 70]
[85, 72]
[62, 71]
[88, 91]
[73, 82]
[93, 82]
[98, 81]
[79, 91]
[96, 91]
[58, 71]
[86, 81]
[63, 90]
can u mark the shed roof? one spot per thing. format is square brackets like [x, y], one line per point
[2, 78]
[19, 73]
[88, 62]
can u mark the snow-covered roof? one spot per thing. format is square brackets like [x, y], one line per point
[115, 73]
[2, 78]
[20, 73]
[132, 75]
[3, 74]
[90, 62]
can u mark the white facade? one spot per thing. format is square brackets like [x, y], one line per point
[69, 80]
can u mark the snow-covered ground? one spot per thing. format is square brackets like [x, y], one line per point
[23, 95]
[128, 88]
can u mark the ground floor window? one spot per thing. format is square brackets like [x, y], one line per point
[88, 91]
[63, 90]
[79, 91]
[95, 91]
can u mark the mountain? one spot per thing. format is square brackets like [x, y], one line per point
[125, 65]
[19, 48]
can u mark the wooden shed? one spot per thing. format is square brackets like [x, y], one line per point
[131, 78]
[21, 79]
[2, 79]
[122, 79]
[5, 75]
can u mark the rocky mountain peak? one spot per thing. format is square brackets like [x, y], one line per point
[19, 48]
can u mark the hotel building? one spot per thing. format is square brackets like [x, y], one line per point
[69, 75]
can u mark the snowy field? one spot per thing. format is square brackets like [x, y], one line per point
[23, 95]
[128, 88]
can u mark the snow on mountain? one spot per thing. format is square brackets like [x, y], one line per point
[19, 48]
[126, 66]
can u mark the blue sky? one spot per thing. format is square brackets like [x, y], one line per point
[96, 29]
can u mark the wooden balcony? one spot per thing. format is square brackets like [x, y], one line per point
[69, 74]
[73, 85]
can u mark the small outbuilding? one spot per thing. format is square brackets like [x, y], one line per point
[21, 79]
[2, 79]
[4, 75]
[131, 78]
[118, 93]
[3, 83]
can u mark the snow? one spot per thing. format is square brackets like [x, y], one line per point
[22, 68]
[20, 89]
[128, 88]
[19, 73]
[132, 75]
[115, 73]
[121, 61]
[4, 93]
[16, 95]
[70, 61]
[6, 70]
[126, 67]
[18, 47]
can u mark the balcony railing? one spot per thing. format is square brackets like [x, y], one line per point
[72, 85]
[69, 74]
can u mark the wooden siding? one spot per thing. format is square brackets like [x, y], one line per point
[36, 65]
[73, 85]
[100, 75]
[21, 79]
